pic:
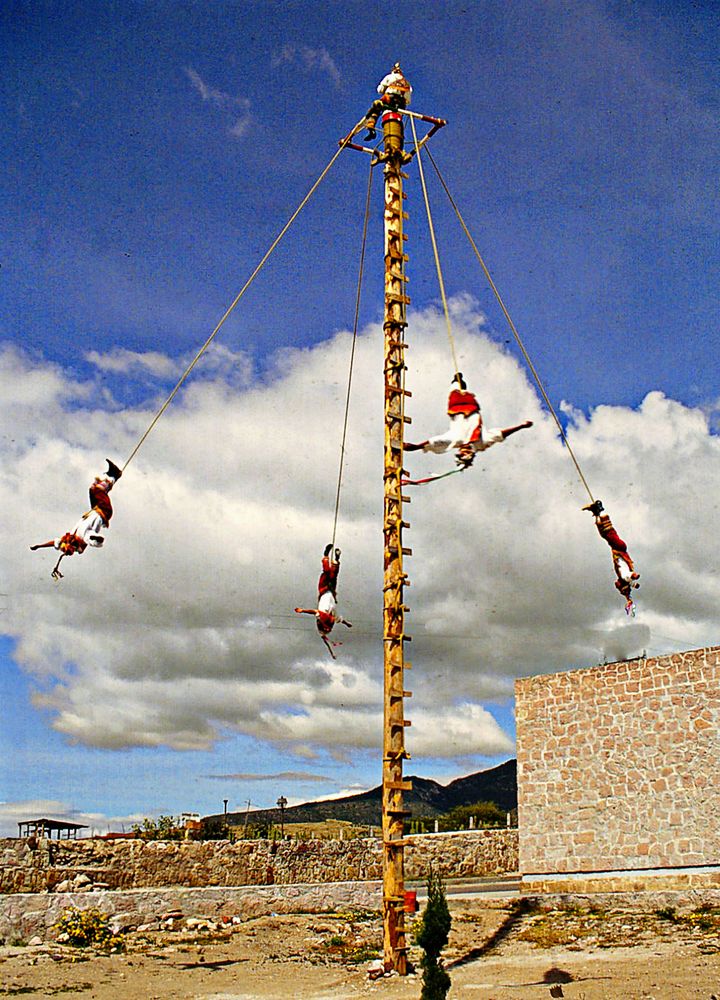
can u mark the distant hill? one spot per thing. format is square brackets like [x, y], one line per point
[427, 798]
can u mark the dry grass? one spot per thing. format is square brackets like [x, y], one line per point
[579, 928]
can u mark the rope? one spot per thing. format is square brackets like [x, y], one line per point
[352, 351]
[435, 250]
[513, 328]
[240, 294]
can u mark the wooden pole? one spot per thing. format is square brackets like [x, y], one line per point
[393, 814]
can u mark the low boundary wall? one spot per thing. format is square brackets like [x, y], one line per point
[25, 915]
[72, 865]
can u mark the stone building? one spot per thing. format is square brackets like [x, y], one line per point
[619, 775]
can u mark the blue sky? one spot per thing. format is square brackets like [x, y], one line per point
[153, 151]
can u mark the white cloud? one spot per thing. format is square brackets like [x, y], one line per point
[234, 367]
[313, 60]
[226, 102]
[182, 628]
[122, 361]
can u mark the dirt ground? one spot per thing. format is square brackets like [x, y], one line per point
[502, 950]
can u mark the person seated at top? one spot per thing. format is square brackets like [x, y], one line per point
[395, 93]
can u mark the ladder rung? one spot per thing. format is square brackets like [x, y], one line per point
[405, 524]
[405, 499]
[400, 786]
[396, 389]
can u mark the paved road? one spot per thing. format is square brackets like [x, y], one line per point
[496, 887]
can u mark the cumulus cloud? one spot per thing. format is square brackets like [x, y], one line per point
[233, 366]
[121, 360]
[182, 629]
[238, 107]
[313, 60]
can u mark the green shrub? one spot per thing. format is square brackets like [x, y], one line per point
[485, 814]
[162, 828]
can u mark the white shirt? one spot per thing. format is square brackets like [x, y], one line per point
[390, 83]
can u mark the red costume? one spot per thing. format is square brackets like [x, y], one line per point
[467, 432]
[627, 578]
[326, 615]
[100, 500]
[327, 584]
[460, 401]
[88, 530]
[70, 543]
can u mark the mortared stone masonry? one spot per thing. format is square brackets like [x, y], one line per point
[619, 770]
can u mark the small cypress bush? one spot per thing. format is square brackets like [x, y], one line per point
[432, 936]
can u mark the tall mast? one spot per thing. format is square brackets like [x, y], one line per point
[394, 721]
[393, 785]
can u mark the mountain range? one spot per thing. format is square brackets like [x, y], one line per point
[427, 798]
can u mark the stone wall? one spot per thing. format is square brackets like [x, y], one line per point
[618, 765]
[70, 865]
[24, 915]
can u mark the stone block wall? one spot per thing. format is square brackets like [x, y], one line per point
[68, 865]
[618, 766]
[23, 915]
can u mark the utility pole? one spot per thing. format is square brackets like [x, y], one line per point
[247, 817]
[394, 638]
[282, 802]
